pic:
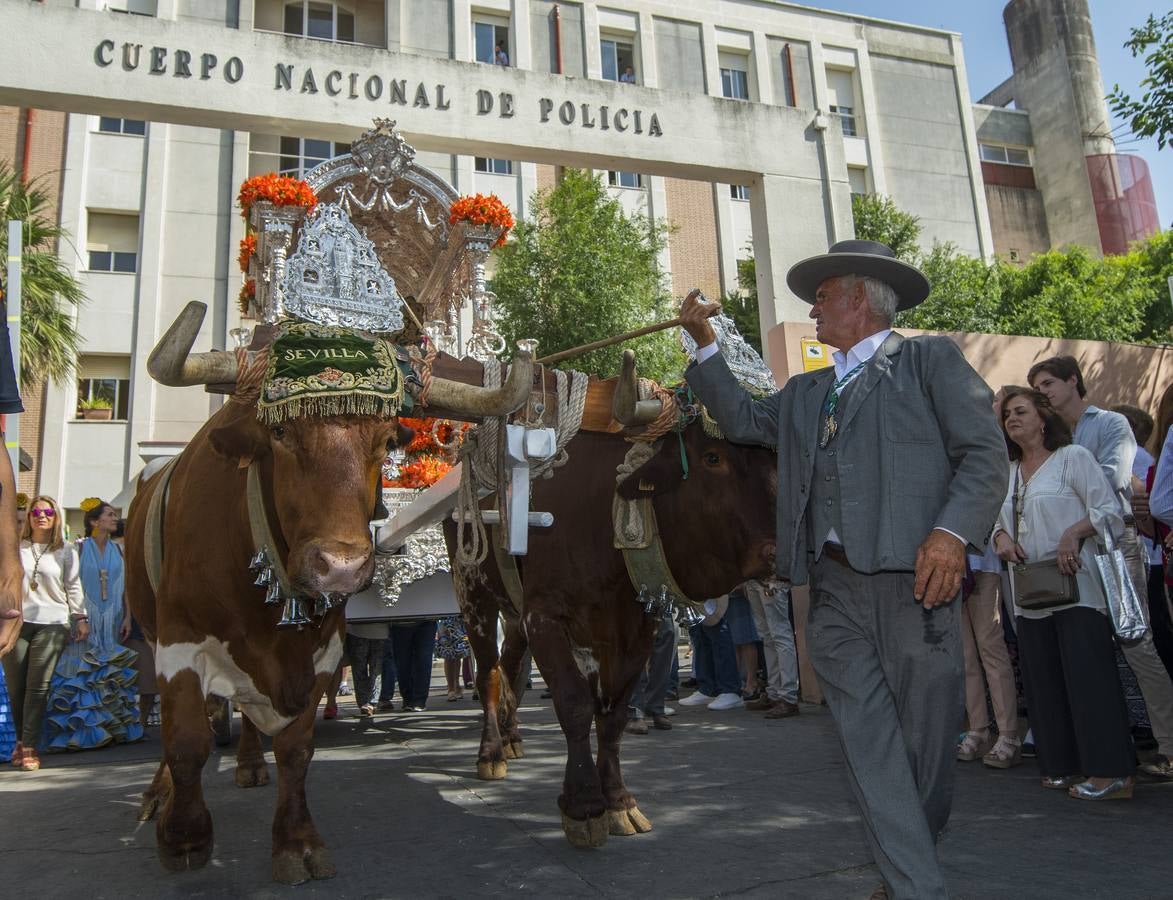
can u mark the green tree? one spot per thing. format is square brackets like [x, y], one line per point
[580, 270]
[742, 306]
[878, 218]
[1150, 114]
[49, 293]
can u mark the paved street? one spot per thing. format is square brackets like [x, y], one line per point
[741, 806]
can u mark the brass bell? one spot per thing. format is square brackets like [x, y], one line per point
[260, 560]
[264, 577]
[273, 594]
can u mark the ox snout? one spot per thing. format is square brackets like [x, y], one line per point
[336, 568]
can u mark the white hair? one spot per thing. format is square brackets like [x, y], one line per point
[881, 296]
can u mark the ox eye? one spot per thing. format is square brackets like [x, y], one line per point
[279, 431]
[712, 459]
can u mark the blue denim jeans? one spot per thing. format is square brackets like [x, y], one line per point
[413, 644]
[714, 662]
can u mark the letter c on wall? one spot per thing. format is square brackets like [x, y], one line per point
[104, 47]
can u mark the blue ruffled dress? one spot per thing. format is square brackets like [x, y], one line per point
[93, 698]
[7, 726]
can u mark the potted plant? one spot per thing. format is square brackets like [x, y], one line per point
[97, 408]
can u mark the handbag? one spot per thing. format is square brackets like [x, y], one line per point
[1038, 585]
[1124, 606]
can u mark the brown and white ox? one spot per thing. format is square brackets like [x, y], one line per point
[588, 634]
[212, 630]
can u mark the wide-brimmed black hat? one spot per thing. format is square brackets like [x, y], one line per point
[865, 258]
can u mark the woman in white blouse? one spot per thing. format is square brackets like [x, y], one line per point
[1058, 500]
[52, 598]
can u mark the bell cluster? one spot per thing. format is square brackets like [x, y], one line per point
[664, 604]
[297, 611]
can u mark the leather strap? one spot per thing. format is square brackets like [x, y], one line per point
[262, 533]
[153, 530]
[510, 574]
[647, 566]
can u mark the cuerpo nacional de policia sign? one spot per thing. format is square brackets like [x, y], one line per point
[380, 89]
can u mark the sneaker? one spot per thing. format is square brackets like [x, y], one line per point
[331, 711]
[725, 701]
[637, 726]
[1159, 767]
[668, 711]
[698, 698]
[343, 689]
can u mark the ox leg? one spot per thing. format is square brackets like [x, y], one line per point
[514, 661]
[299, 853]
[480, 615]
[155, 796]
[251, 770]
[573, 679]
[184, 829]
[623, 816]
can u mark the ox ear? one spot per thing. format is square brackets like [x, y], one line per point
[243, 438]
[660, 474]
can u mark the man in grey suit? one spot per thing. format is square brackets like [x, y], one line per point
[889, 466]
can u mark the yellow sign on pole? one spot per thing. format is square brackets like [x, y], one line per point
[815, 355]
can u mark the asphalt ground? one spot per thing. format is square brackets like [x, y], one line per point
[741, 806]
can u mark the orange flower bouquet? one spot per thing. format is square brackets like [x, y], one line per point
[280, 190]
[483, 210]
[421, 472]
[426, 462]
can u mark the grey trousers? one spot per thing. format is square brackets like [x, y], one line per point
[366, 662]
[893, 675]
[771, 617]
[648, 696]
[1151, 675]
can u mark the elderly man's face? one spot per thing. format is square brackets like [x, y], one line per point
[838, 312]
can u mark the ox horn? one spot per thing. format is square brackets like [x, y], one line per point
[172, 362]
[473, 400]
[626, 406]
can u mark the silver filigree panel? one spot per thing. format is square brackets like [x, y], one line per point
[747, 366]
[335, 277]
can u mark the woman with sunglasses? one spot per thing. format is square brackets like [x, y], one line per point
[93, 696]
[53, 602]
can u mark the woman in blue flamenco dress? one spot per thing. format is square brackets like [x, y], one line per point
[93, 698]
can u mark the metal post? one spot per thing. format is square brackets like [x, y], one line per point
[15, 246]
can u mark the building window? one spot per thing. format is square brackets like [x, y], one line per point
[857, 178]
[491, 43]
[841, 99]
[493, 166]
[299, 155]
[625, 179]
[618, 60]
[103, 387]
[112, 242]
[739, 191]
[132, 7]
[997, 153]
[315, 19]
[121, 126]
[735, 84]
[846, 116]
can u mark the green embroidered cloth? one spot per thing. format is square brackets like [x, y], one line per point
[323, 370]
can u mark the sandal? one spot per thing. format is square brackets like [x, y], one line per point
[17, 755]
[975, 745]
[452, 698]
[29, 762]
[1006, 754]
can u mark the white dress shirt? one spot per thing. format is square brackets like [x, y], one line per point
[1161, 496]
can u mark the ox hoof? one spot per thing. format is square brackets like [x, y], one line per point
[185, 858]
[514, 751]
[626, 822]
[299, 866]
[492, 771]
[252, 776]
[585, 833]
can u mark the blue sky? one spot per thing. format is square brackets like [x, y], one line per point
[987, 58]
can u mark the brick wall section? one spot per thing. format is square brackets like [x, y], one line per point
[693, 244]
[45, 162]
[547, 176]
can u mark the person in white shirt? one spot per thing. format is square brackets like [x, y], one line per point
[52, 599]
[1059, 498]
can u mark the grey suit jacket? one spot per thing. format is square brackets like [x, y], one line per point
[918, 447]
